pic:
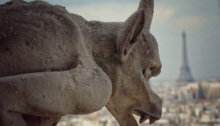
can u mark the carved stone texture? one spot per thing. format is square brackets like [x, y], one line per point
[54, 63]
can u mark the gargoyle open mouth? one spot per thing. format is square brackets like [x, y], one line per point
[145, 116]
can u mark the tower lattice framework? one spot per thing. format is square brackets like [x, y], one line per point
[185, 72]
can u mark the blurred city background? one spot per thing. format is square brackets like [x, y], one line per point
[188, 34]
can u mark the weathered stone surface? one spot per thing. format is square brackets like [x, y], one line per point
[54, 63]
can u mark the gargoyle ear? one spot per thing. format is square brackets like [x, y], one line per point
[148, 7]
[140, 20]
[129, 33]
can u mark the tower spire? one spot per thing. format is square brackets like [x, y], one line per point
[184, 51]
[185, 73]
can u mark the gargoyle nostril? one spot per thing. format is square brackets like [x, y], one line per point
[155, 70]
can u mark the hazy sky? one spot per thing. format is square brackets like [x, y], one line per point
[199, 18]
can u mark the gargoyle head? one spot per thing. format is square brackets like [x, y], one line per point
[139, 61]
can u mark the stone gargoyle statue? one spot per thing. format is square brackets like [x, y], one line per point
[54, 63]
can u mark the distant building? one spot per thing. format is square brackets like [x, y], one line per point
[185, 73]
[199, 91]
[201, 94]
[214, 91]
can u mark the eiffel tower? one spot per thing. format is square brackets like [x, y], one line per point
[185, 74]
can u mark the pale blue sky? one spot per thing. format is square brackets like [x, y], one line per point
[199, 18]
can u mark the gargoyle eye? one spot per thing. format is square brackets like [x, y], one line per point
[125, 52]
[144, 72]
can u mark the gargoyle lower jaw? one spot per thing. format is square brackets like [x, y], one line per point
[145, 116]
